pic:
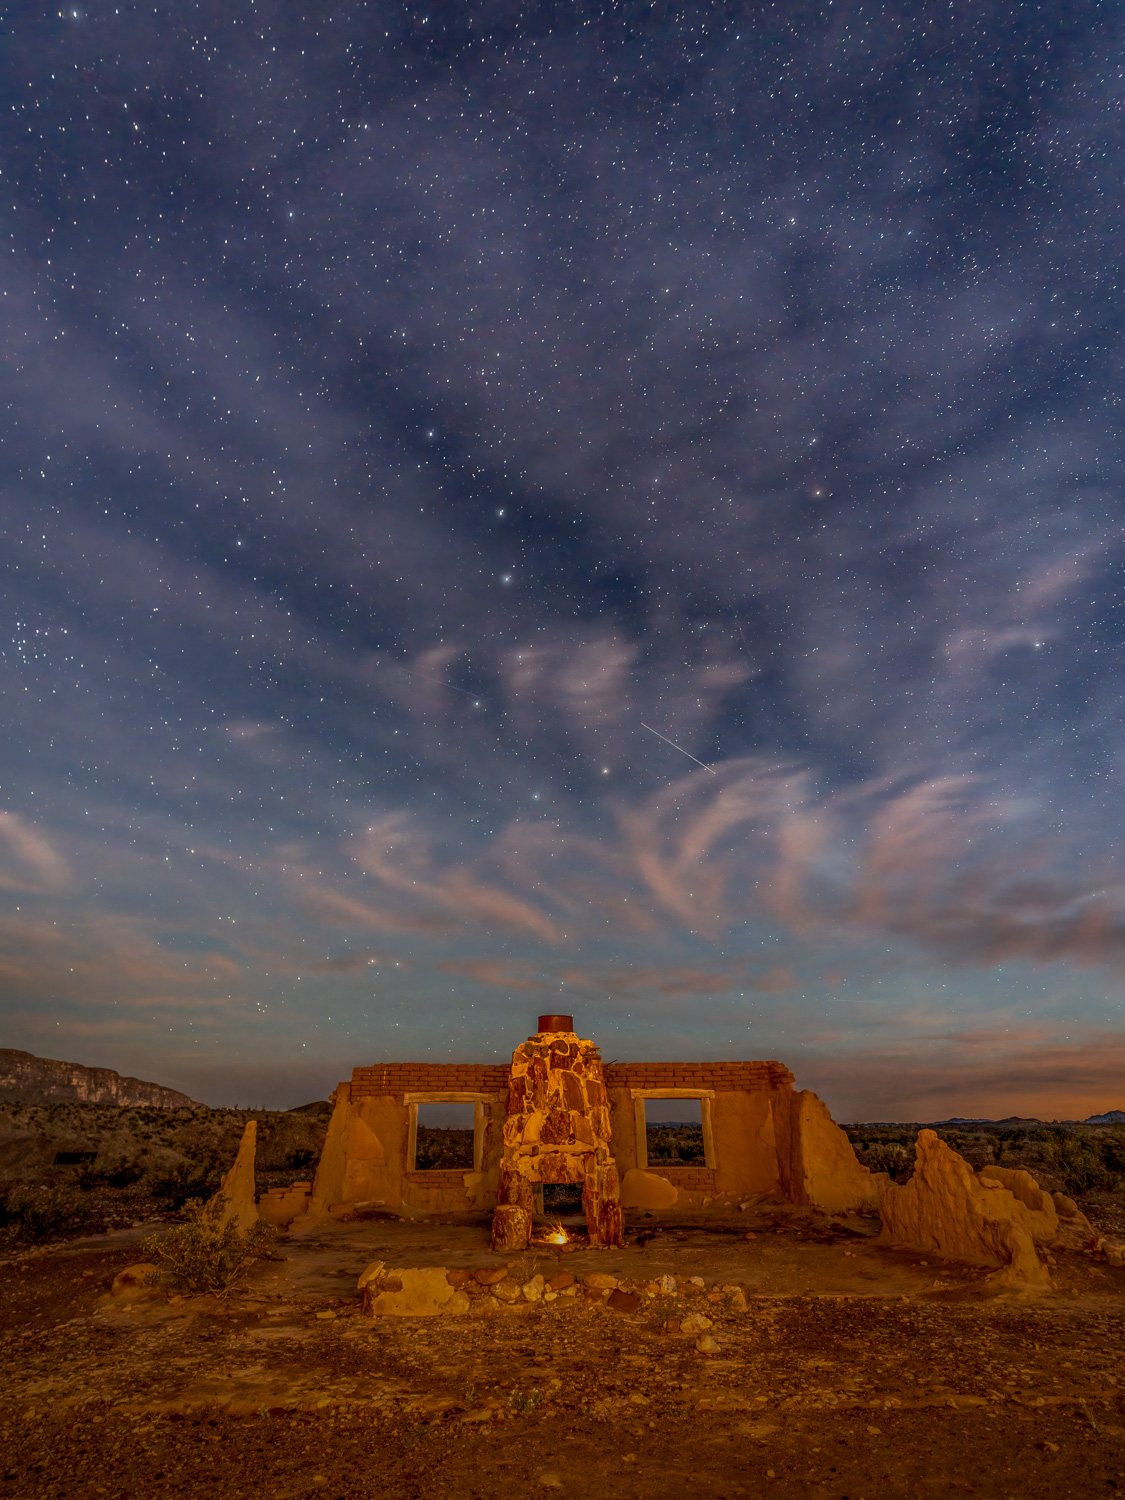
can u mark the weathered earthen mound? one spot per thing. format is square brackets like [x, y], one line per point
[947, 1210]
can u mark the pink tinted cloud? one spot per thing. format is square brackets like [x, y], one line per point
[28, 860]
[494, 971]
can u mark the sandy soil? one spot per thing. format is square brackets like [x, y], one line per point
[857, 1373]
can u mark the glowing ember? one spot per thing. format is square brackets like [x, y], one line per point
[557, 1236]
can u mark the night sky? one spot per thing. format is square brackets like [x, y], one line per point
[414, 421]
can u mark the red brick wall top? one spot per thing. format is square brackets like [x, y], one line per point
[492, 1078]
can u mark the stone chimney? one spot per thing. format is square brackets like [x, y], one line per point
[556, 1130]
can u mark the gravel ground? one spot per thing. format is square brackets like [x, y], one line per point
[856, 1373]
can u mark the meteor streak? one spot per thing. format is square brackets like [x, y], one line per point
[680, 748]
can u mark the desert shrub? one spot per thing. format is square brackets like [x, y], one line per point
[181, 1184]
[888, 1156]
[120, 1174]
[1080, 1160]
[44, 1214]
[208, 1253]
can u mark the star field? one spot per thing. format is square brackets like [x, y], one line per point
[615, 504]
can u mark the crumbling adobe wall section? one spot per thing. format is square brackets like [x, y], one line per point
[743, 1101]
[817, 1163]
[364, 1159]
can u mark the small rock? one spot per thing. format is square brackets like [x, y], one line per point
[599, 1281]
[370, 1273]
[457, 1278]
[667, 1285]
[550, 1481]
[562, 1280]
[326, 1314]
[623, 1302]
[1049, 1447]
[694, 1323]
[532, 1292]
[875, 1431]
[736, 1298]
[672, 1325]
[458, 1304]
[696, 1281]
[706, 1344]
[490, 1275]
[750, 1236]
[508, 1290]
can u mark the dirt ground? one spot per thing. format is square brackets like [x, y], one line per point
[857, 1373]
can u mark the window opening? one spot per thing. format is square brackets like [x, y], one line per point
[674, 1132]
[444, 1140]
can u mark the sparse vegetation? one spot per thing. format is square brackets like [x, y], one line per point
[207, 1254]
[70, 1168]
[443, 1148]
[38, 1215]
[676, 1144]
[1087, 1162]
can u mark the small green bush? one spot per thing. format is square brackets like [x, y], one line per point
[208, 1253]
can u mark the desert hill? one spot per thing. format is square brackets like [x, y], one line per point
[43, 1080]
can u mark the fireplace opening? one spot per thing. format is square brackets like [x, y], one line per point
[445, 1137]
[674, 1132]
[561, 1200]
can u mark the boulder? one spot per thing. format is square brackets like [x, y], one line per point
[413, 1292]
[948, 1211]
[640, 1189]
[237, 1185]
[133, 1279]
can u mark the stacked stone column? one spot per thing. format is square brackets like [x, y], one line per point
[556, 1131]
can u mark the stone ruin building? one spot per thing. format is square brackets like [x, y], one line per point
[558, 1115]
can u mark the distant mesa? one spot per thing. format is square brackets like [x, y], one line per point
[317, 1107]
[42, 1080]
[1111, 1117]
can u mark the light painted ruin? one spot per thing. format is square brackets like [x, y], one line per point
[557, 1113]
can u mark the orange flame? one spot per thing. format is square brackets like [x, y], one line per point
[558, 1235]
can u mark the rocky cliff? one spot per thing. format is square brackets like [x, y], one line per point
[42, 1080]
